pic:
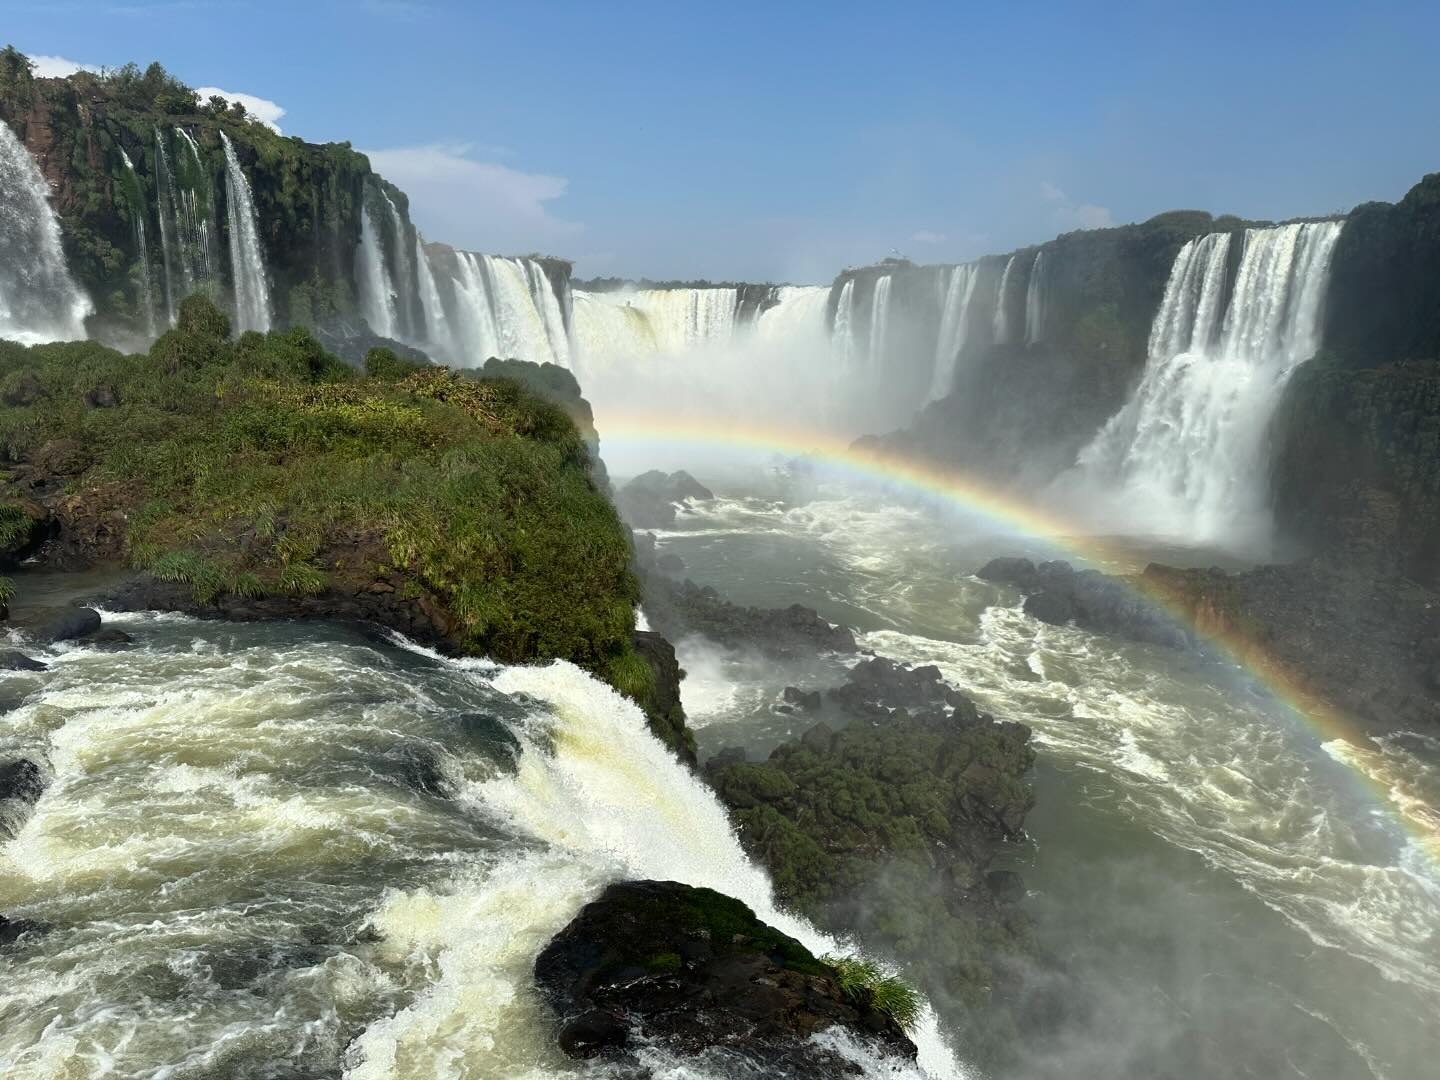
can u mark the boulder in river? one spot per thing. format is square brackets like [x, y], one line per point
[15, 660]
[693, 970]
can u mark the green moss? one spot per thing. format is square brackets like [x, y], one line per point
[663, 963]
[265, 466]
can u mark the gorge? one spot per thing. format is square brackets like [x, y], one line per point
[402, 674]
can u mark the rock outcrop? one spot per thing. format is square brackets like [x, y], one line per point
[1057, 593]
[652, 499]
[677, 609]
[696, 972]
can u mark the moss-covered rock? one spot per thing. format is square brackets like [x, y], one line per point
[886, 828]
[266, 472]
[696, 972]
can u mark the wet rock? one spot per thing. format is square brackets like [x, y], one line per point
[879, 686]
[650, 501]
[21, 780]
[677, 609]
[11, 930]
[70, 624]
[109, 637]
[1006, 886]
[693, 970]
[662, 706]
[670, 563]
[14, 660]
[806, 701]
[1058, 594]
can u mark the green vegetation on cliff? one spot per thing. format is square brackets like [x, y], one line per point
[264, 467]
[308, 196]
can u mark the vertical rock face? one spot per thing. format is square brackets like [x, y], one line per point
[1357, 437]
[80, 131]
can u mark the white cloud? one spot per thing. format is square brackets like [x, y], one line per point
[475, 204]
[58, 67]
[263, 109]
[925, 236]
[1071, 215]
[1088, 216]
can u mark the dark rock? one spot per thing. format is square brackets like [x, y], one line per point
[730, 755]
[22, 780]
[1006, 886]
[879, 685]
[693, 970]
[70, 625]
[109, 636]
[60, 458]
[12, 930]
[651, 499]
[677, 609]
[663, 709]
[592, 1033]
[670, 563]
[809, 701]
[1058, 594]
[14, 660]
[104, 396]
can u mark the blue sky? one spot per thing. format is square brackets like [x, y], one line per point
[783, 141]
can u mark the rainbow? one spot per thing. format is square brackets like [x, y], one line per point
[1327, 721]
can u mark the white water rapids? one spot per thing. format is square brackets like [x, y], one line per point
[287, 851]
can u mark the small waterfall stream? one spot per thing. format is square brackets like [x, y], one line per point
[247, 261]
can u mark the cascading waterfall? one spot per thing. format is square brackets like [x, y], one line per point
[1186, 452]
[166, 211]
[1035, 301]
[844, 330]
[437, 323]
[247, 261]
[1001, 321]
[880, 322]
[954, 326]
[495, 307]
[39, 301]
[409, 324]
[193, 203]
[377, 293]
[281, 849]
[552, 314]
[137, 217]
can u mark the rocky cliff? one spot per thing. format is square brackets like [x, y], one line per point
[120, 222]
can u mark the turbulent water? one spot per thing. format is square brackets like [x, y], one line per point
[285, 851]
[1222, 892]
[248, 277]
[1185, 456]
[38, 299]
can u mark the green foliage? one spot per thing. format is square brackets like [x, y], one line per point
[7, 593]
[268, 467]
[384, 364]
[199, 317]
[863, 982]
[16, 527]
[631, 675]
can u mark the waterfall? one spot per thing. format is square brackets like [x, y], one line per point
[137, 214]
[954, 326]
[879, 322]
[165, 211]
[39, 301]
[194, 212]
[552, 314]
[1001, 321]
[377, 293]
[844, 331]
[1186, 452]
[405, 282]
[437, 324]
[1035, 301]
[247, 261]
